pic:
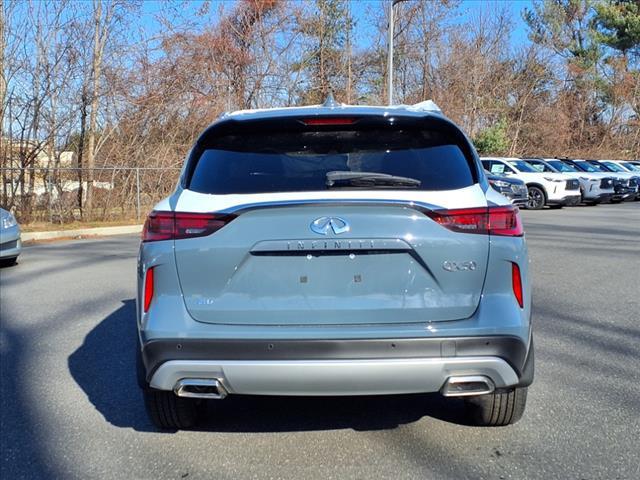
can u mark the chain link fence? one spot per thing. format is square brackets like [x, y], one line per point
[61, 195]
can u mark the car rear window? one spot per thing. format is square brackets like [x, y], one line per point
[299, 161]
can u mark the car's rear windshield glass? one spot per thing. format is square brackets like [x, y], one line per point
[541, 167]
[600, 167]
[563, 167]
[300, 161]
[523, 166]
[614, 167]
[586, 166]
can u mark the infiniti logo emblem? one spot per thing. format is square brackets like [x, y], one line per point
[324, 225]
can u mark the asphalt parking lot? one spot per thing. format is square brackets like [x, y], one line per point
[71, 407]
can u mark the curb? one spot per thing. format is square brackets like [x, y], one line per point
[81, 232]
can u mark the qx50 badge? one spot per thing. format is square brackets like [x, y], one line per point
[325, 225]
[458, 266]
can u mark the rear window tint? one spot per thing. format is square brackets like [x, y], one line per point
[299, 161]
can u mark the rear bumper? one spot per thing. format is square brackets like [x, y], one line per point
[519, 201]
[624, 194]
[567, 200]
[338, 367]
[595, 196]
[334, 377]
[623, 197]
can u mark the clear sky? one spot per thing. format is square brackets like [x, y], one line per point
[472, 7]
[360, 10]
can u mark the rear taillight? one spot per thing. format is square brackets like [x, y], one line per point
[504, 221]
[159, 226]
[468, 220]
[179, 225]
[516, 281]
[148, 289]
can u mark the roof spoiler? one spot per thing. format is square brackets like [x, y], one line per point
[425, 106]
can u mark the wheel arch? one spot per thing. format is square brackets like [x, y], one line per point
[541, 187]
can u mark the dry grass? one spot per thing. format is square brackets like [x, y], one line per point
[47, 226]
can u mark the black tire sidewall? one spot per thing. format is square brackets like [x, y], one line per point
[538, 206]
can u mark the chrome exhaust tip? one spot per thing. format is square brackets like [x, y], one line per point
[208, 388]
[467, 385]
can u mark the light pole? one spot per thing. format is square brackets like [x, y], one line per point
[390, 53]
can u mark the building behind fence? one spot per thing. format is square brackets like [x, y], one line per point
[58, 195]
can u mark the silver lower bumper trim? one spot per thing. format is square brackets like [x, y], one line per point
[334, 377]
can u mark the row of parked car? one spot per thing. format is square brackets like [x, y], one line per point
[536, 182]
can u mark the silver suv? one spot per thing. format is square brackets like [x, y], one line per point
[334, 250]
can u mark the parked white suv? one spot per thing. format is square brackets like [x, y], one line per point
[553, 189]
[593, 188]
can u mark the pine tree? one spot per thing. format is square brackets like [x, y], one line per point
[618, 25]
[325, 61]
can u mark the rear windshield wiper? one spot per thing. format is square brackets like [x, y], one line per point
[337, 179]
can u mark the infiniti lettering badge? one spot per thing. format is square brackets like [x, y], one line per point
[324, 225]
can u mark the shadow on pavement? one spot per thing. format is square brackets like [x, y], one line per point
[23, 451]
[293, 414]
[104, 367]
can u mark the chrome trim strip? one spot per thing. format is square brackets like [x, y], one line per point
[181, 388]
[345, 245]
[418, 206]
[450, 390]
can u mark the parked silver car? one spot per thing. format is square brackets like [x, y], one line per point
[10, 243]
[334, 250]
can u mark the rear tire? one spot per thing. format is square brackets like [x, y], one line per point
[537, 198]
[167, 411]
[497, 409]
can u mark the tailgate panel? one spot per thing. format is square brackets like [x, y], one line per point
[268, 267]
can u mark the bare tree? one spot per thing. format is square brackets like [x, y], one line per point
[88, 78]
[102, 26]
